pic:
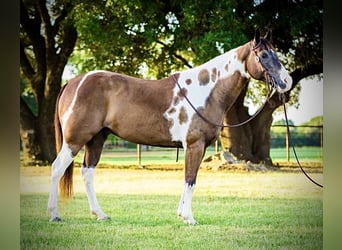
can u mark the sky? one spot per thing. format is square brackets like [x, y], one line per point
[310, 102]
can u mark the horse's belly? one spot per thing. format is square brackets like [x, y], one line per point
[143, 129]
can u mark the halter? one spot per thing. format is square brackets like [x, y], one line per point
[269, 79]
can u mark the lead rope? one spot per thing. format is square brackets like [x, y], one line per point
[282, 96]
[270, 92]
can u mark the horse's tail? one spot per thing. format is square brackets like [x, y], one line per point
[65, 184]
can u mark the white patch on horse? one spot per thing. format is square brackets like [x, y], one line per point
[60, 164]
[184, 208]
[286, 78]
[69, 111]
[88, 178]
[198, 93]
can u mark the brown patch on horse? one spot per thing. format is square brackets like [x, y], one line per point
[176, 100]
[213, 74]
[188, 81]
[171, 111]
[203, 77]
[183, 116]
[182, 92]
[226, 67]
[102, 95]
[242, 52]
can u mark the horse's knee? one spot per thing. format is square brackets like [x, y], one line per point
[88, 174]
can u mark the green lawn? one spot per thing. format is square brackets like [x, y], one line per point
[168, 156]
[269, 210]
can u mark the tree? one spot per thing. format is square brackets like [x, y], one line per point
[47, 38]
[154, 38]
[179, 34]
[298, 28]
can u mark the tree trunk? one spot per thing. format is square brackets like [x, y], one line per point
[37, 133]
[252, 141]
[28, 134]
[46, 43]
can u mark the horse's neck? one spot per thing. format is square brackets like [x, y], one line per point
[223, 77]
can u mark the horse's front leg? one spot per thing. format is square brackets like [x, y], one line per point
[88, 178]
[193, 157]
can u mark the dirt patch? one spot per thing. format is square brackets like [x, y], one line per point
[224, 161]
[213, 165]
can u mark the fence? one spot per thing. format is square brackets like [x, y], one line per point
[305, 137]
[301, 136]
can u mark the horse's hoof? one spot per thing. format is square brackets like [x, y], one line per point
[191, 222]
[55, 219]
[103, 218]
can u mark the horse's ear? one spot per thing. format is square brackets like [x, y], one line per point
[257, 36]
[268, 35]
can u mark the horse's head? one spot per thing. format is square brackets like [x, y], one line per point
[263, 64]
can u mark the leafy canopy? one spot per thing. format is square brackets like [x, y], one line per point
[153, 38]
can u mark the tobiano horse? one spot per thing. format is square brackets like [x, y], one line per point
[154, 112]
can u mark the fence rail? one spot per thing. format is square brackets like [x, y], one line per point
[304, 136]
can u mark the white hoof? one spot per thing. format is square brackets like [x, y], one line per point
[103, 218]
[189, 221]
[100, 215]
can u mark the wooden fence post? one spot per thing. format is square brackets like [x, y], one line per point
[139, 154]
[287, 146]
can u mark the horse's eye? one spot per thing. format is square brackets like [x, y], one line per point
[264, 55]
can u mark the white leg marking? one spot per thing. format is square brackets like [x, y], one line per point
[88, 178]
[184, 208]
[60, 164]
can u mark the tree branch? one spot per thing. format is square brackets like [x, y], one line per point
[182, 59]
[48, 30]
[60, 19]
[179, 57]
[300, 73]
[25, 63]
[31, 28]
[68, 44]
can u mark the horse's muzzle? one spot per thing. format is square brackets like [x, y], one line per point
[283, 82]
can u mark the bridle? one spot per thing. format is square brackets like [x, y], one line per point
[271, 90]
[268, 78]
[282, 97]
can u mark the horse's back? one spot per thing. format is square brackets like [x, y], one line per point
[121, 103]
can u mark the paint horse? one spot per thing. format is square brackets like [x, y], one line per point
[154, 112]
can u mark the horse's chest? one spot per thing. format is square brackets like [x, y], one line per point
[181, 113]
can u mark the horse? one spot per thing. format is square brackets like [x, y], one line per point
[154, 112]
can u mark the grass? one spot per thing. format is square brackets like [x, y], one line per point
[162, 156]
[269, 210]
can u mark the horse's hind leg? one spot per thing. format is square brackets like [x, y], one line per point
[60, 164]
[92, 155]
